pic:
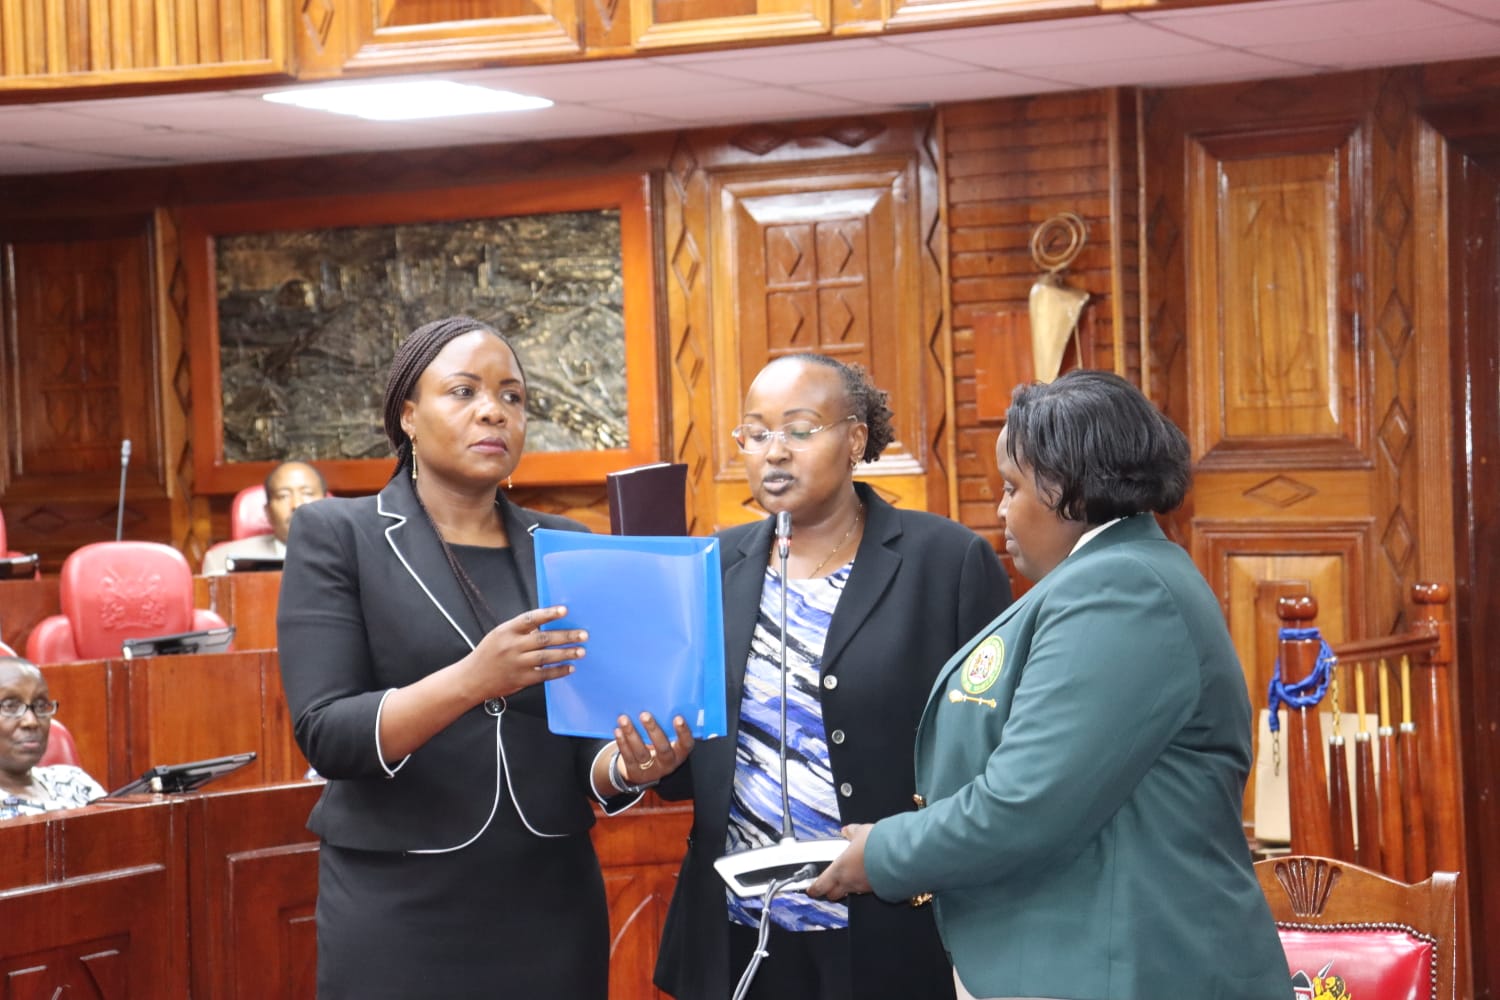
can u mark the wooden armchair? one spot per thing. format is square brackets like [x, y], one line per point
[1409, 822]
[1380, 937]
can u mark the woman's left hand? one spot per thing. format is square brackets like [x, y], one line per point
[644, 762]
[847, 873]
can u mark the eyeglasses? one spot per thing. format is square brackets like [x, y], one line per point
[797, 435]
[42, 708]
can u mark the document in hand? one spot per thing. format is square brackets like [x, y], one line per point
[654, 612]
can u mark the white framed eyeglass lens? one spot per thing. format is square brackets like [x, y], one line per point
[42, 708]
[797, 435]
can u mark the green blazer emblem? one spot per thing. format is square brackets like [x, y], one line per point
[981, 668]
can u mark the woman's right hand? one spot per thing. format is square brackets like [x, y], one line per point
[518, 653]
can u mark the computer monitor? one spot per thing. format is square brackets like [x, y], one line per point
[168, 778]
[253, 564]
[18, 566]
[206, 640]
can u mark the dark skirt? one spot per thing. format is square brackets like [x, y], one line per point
[512, 915]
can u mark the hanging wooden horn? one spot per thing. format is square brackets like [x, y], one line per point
[1055, 306]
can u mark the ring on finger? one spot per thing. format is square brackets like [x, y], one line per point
[647, 764]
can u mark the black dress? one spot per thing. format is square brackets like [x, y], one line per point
[511, 914]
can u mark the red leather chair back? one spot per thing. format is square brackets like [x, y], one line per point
[1370, 961]
[3, 546]
[113, 591]
[247, 515]
[60, 746]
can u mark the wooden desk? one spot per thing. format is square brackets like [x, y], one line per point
[94, 903]
[129, 715]
[253, 869]
[23, 603]
[640, 851]
[245, 600]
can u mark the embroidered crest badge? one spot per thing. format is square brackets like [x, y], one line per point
[982, 667]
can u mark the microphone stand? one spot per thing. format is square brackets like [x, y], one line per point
[790, 863]
[120, 508]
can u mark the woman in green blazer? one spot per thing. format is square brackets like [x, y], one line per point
[1083, 759]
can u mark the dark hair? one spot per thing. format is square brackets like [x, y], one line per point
[866, 400]
[322, 483]
[412, 358]
[1097, 447]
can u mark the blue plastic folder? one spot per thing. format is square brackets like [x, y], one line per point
[653, 608]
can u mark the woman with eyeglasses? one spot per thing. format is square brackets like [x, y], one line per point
[26, 712]
[878, 599]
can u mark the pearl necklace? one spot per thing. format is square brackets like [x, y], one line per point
[857, 515]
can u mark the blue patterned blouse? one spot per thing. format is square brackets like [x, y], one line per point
[755, 804]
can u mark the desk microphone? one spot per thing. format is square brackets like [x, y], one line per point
[791, 863]
[120, 508]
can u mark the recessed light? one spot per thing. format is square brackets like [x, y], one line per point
[404, 100]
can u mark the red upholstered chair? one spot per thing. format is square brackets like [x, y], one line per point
[113, 591]
[247, 515]
[60, 746]
[1382, 938]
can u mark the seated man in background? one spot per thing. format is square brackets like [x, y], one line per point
[289, 486]
[26, 712]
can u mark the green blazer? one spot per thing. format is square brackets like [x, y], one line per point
[1082, 833]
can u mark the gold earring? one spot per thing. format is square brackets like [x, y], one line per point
[853, 463]
[507, 482]
[413, 459]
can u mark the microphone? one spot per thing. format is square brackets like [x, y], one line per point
[790, 863]
[120, 508]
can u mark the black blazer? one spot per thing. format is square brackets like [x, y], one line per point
[922, 585]
[369, 603]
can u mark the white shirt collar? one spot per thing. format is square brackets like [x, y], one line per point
[1087, 535]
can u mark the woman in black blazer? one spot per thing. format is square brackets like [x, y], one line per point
[455, 857]
[879, 599]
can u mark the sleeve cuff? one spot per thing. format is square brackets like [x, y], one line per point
[390, 772]
[614, 804]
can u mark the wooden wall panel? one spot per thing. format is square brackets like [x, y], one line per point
[415, 33]
[656, 24]
[80, 380]
[1008, 166]
[1275, 370]
[90, 42]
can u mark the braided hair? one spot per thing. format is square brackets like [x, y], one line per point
[412, 358]
[866, 400]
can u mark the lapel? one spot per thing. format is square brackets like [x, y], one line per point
[875, 566]
[743, 581]
[416, 545]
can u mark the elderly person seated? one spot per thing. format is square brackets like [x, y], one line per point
[289, 486]
[26, 712]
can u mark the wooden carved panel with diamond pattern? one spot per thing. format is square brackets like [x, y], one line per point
[822, 261]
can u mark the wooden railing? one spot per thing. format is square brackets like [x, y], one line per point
[1407, 821]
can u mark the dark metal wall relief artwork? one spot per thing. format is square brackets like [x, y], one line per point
[309, 321]
[296, 308]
